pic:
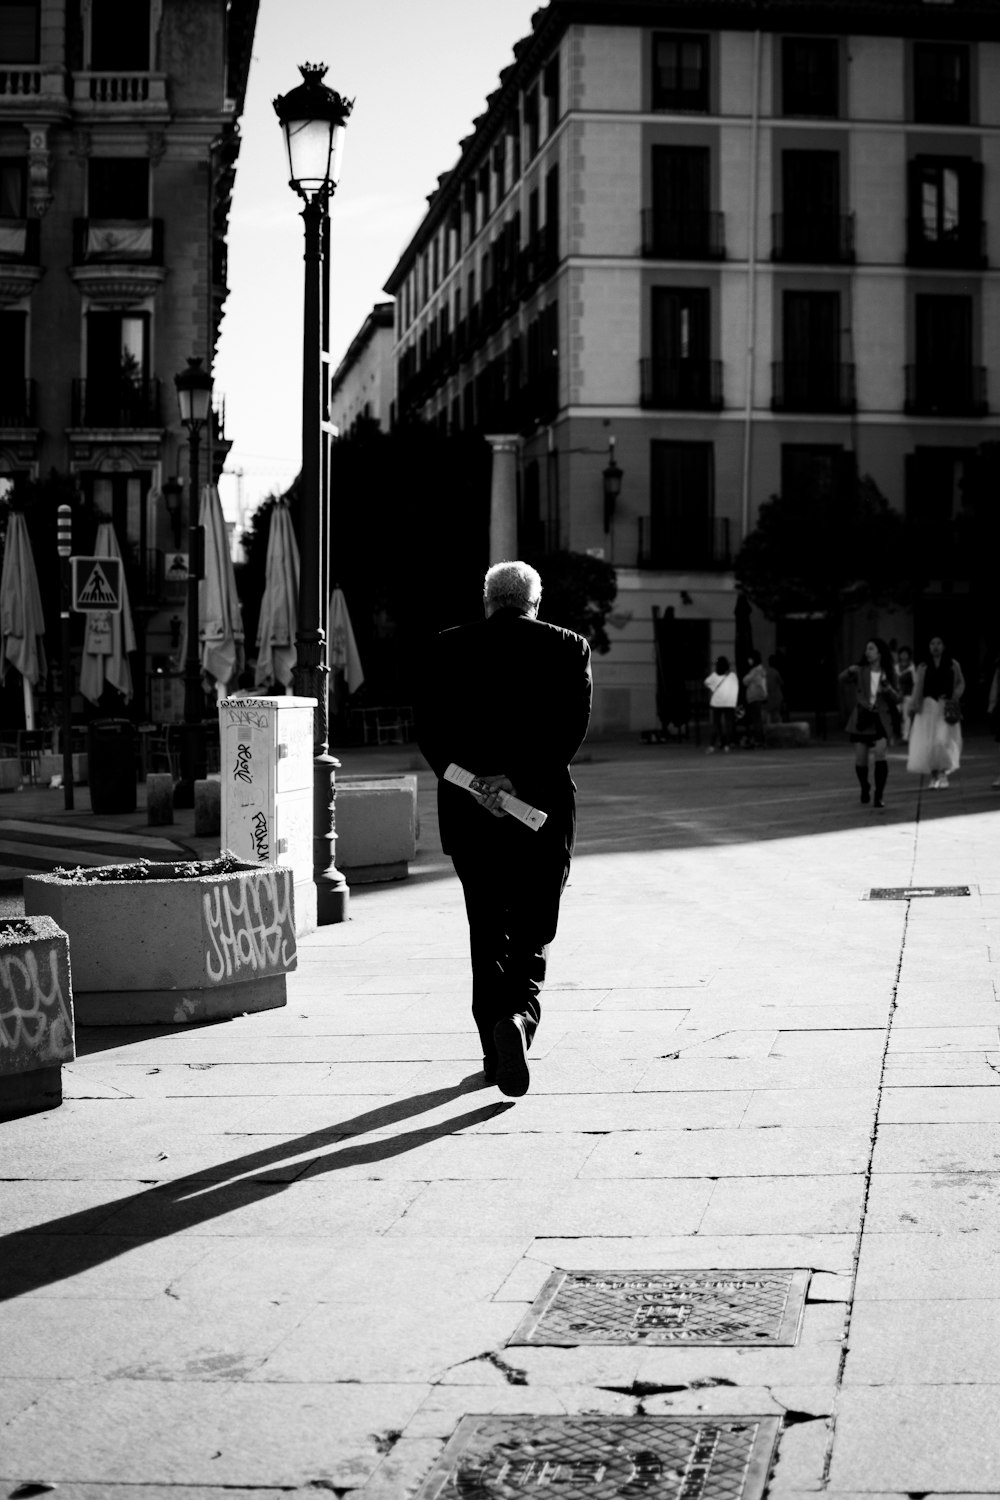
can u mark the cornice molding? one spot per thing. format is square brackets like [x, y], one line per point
[117, 285]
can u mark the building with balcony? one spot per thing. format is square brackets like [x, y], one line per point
[748, 241]
[119, 134]
[361, 386]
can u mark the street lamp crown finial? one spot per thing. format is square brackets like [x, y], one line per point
[312, 72]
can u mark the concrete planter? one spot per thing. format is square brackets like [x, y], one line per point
[36, 1014]
[158, 944]
[376, 827]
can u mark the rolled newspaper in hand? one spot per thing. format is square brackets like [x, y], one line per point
[531, 817]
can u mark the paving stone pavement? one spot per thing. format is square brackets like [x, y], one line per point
[287, 1253]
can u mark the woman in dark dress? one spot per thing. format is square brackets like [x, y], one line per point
[869, 726]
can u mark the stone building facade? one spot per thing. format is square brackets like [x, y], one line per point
[743, 240]
[119, 135]
[362, 386]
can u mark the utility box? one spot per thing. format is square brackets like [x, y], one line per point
[266, 770]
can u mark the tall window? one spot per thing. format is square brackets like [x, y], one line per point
[810, 225]
[118, 187]
[680, 72]
[941, 92]
[945, 217]
[681, 504]
[943, 379]
[119, 36]
[117, 391]
[810, 76]
[680, 224]
[19, 32]
[13, 342]
[531, 121]
[13, 187]
[811, 378]
[550, 90]
[680, 372]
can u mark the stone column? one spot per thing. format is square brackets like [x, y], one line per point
[503, 497]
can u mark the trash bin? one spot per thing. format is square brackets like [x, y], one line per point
[111, 765]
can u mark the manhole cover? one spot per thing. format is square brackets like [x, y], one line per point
[910, 892]
[605, 1458]
[666, 1307]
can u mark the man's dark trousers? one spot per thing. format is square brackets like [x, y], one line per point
[512, 901]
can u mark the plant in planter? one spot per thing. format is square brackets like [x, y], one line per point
[36, 1014]
[159, 943]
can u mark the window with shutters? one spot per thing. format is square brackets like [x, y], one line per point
[945, 212]
[680, 72]
[810, 76]
[941, 92]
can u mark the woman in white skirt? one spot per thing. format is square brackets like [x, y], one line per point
[935, 731]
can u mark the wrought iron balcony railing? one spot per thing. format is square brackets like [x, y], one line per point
[116, 403]
[801, 385]
[683, 384]
[117, 241]
[17, 403]
[945, 391]
[701, 546]
[964, 248]
[688, 236]
[813, 239]
[20, 241]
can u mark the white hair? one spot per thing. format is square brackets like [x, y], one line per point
[511, 585]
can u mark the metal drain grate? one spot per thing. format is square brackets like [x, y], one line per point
[666, 1307]
[605, 1458]
[911, 892]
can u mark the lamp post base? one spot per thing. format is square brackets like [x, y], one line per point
[332, 894]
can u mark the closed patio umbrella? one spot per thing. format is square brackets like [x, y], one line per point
[109, 637]
[22, 624]
[219, 614]
[279, 606]
[343, 658]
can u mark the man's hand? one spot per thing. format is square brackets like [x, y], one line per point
[486, 789]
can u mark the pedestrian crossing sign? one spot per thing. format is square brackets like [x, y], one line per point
[97, 584]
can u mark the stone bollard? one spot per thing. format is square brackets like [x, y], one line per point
[159, 799]
[36, 1014]
[207, 808]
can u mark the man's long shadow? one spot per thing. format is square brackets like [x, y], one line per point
[100, 1234]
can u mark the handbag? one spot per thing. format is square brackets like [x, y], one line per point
[952, 711]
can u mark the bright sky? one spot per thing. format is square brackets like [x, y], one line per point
[419, 72]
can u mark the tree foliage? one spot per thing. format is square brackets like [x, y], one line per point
[826, 553]
[577, 592]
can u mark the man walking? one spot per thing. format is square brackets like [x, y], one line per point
[507, 698]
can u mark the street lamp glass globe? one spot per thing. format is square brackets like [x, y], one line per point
[194, 394]
[313, 118]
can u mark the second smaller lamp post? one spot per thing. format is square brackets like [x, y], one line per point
[194, 398]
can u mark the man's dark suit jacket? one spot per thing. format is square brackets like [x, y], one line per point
[507, 695]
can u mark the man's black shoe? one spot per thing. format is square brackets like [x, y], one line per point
[513, 1077]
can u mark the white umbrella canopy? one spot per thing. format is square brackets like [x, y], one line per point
[22, 624]
[344, 660]
[276, 652]
[109, 637]
[219, 613]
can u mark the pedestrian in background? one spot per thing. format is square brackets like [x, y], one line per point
[774, 709]
[724, 687]
[755, 687]
[869, 725]
[936, 728]
[507, 698]
[906, 679]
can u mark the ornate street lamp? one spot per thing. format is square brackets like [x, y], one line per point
[194, 400]
[612, 477]
[313, 118]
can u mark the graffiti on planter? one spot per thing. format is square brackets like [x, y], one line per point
[258, 828]
[35, 1015]
[248, 927]
[241, 711]
[241, 770]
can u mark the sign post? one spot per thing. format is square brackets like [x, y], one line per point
[64, 546]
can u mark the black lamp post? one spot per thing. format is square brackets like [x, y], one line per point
[313, 118]
[194, 398]
[172, 492]
[612, 476]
